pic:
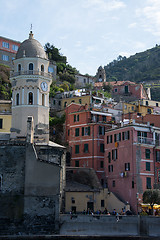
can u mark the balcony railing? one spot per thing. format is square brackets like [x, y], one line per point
[145, 140]
[31, 72]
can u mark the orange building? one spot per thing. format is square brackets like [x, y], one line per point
[85, 130]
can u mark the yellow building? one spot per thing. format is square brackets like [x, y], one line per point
[5, 116]
[84, 192]
[136, 107]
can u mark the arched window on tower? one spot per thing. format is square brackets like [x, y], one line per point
[19, 68]
[30, 98]
[43, 100]
[17, 99]
[31, 68]
[42, 69]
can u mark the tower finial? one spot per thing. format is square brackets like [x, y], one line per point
[31, 34]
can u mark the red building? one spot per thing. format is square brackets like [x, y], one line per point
[85, 130]
[132, 156]
[8, 50]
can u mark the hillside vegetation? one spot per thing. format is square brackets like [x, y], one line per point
[5, 86]
[141, 67]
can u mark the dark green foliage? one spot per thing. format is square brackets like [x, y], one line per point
[5, 86]
[144, 66]
[56, 120]
[54, 54]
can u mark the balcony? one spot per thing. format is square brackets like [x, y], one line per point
[31, 72]
[144, 140]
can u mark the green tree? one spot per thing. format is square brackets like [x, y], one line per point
[152, 197]
[54, 53]
[107, 87]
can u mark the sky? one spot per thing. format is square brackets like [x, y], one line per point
[91, 33]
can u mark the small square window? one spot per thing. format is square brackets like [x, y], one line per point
[76, 149]
[148, 183]
[148, 166]
[1, 123]
[77, 163]
[102, 203]
[147, 153]
[102, 164]
[113, 183]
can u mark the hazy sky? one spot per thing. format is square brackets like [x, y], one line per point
[89, 32]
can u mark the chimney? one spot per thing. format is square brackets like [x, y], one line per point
[149, 93]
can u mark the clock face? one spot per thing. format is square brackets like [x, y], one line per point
[44, 86]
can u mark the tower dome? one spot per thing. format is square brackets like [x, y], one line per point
[31, 48]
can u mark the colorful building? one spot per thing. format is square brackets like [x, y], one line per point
[8, 50]
[85, 130]
[125, 90]
[130, 161]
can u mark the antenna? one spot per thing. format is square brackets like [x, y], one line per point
[31, 27]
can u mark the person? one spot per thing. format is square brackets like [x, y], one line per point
[114, 212]
[117, 217]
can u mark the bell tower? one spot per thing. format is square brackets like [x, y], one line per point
[31, 82]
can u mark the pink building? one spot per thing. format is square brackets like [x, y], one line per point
[85, 130]
[130, 161]
[125, 90]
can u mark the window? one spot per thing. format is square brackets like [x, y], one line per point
[74, 118]
[126, 135]
[31, 68]
[17, 99]
[80, 101]
[156, 104]
[146, 103]
[5, 44]
[50, 69]
[102, 164]
[104, 118]
[42, 68]
[77, 132]
[19, 67]
[132, 108]
[43, 100]
[126, 89]
[30, 98]
[59, 103]
[102, 147]
[102, 203]
[110, 168]
[158, 175]
[114, 154]
[148, 166]
[115, 90]
[148, 183]
[109, 157]
[147, 153]
[68, 132]
[132, 184]
[77, 163]
[127, 166]
[85, 131]
[14, 47]
[113, 183]
[65, 104]
[1, 123]
[73, 200]
[97, 118]
[5, 58]
[76, 149]
[149, 110]
[157, 156]
[84, 80]
[109, 139]
[86, 147]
